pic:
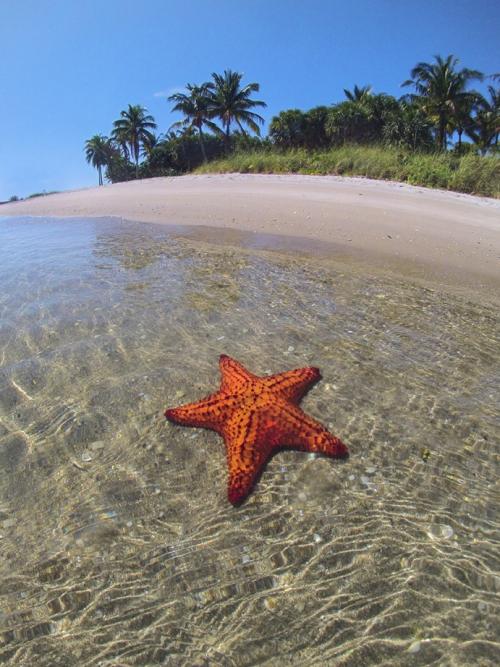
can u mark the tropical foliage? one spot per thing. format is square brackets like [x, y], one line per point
[232, 103]
[98, 151]
[219, 119]
[294, 129]
[484, 126]
[441, 92]
[358, 93]
[466, 173]
[132, 131]
[196, 107]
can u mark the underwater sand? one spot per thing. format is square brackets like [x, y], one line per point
[117, 543]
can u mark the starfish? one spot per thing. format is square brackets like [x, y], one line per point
[257, 416]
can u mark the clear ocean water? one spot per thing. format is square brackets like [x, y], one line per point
[117, 543]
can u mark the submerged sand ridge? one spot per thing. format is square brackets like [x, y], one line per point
[443, 236]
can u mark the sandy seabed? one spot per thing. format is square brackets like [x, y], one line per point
[118, 546]
[447, 238]
[117, 543]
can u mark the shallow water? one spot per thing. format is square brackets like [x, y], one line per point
[117, 543]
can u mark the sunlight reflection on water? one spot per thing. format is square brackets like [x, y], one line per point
[117, 542]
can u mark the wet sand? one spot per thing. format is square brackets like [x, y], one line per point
[447, 238]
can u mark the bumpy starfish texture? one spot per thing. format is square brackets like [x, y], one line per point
[257, 416]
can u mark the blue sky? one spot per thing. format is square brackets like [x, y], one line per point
[69, 66]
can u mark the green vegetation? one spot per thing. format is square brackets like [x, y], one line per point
[15, 198]
[98, 152]
[418, 138]
[194, 105]
[441, 92]
[231, 103]
[131, 132]
[42, 194]
[469, 173]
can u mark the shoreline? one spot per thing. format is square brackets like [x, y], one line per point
[445, 238]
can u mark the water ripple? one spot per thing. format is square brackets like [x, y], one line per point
[118, 545]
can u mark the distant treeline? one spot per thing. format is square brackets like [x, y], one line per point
[35, 194]
[442, 114]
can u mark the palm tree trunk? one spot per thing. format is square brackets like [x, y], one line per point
[135, 153]
[228, 136]
[441, 133]
[460, 130]
[183, 151]
[99, 169]
[202, 144]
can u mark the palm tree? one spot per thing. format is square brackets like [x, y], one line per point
[287, 129]
[348, 122]
[358, 94]
[232, 103]
[119, 137]
[494, 107]
[132, 130]
[484, 128]
[98, 150]
[195, 105]
[462, 117]
[441, 91]
[314, 127]
[408, 126]
[150, 143]
[379, 108]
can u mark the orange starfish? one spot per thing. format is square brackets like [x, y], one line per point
[257, 416]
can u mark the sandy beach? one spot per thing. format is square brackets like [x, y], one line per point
[443, 237]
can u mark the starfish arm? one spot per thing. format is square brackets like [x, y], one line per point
[234, 376]
[297, 430]
[247, 452]
[292, 385]
[257, 416]
[210, 412]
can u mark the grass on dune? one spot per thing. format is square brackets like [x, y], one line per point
[470, 173]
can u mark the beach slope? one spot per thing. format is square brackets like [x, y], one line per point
[449, 237]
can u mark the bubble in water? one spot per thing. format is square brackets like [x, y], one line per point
[98, 444]
[415, 647]
[446, 532]
[440, 531]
